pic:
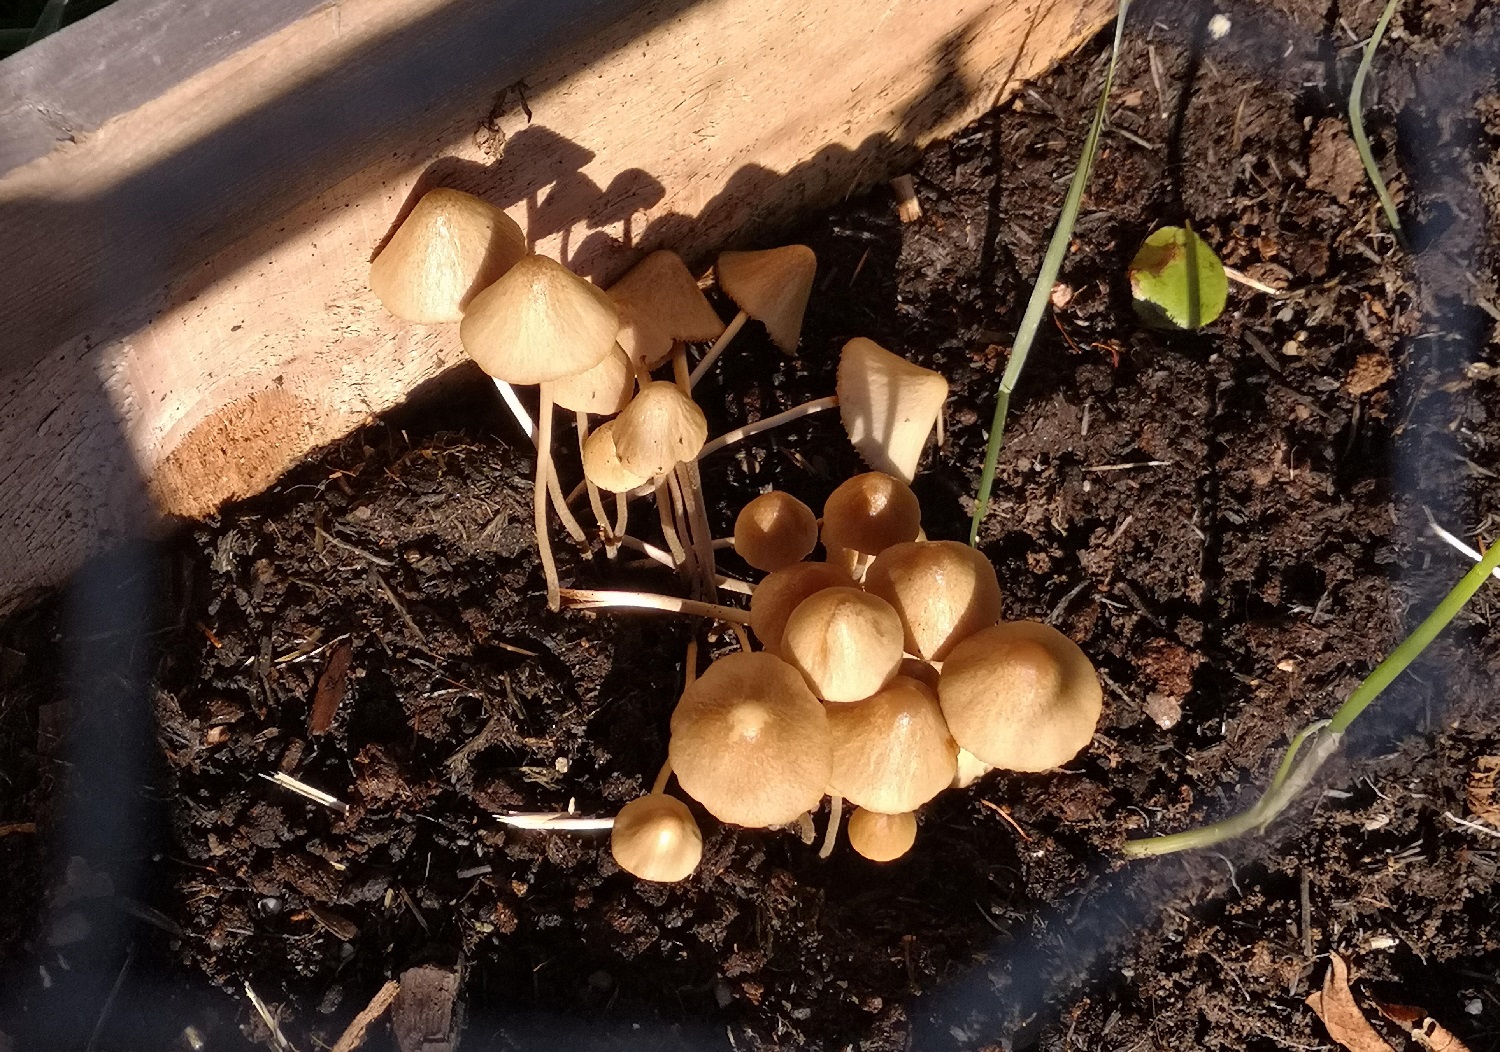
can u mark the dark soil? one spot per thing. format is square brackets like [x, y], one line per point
[1230, 523]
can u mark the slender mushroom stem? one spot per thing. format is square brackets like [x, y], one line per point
[622, 513]
[668, 527]
[523, 419]
[728, 438]
[517, 410]
[656, 555]
[662, 777]
[741, 637]
[564, 513]
[718, 348]
[700, 534]
[679, 520]
[690, 664]
[598, 599]
[611, 539]
[831, 834]
[539, 498]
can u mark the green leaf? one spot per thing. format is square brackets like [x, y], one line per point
[1176, 281]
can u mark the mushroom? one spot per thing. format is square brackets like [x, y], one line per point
[750, 742]
[659, 302]
[882, 838]
[771, 286]
[920, 671]
[655, 838]
[539, 323]
[601, 461]
[660, 428]
[1020, 696]
[778, 594]
[774, 531]
[845, 642]
[888, 406]
[944, 591]
[867, 514]
[602, 390]
[892, 751]
[449, 247]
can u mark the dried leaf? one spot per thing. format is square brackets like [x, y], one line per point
[1484, 790]
[1334, 1005]
[1424, 1029]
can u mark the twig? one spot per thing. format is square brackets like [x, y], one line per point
[1475, 826]
[558, 821]
[109, 1001]
[1131, 465]
[907, 205]
[337, 543]
[317, 796]
[354, 1033]
[400, 607]
[1003, 813]
[1452, 541]
[595, 599]
[12, 828]
[1241, 278]
[1357, 124]
[277, 1037]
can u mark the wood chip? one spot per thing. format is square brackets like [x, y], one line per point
[1334, 1005]
[354, 1034]
[424, 1015]
[1371, 372]
[332, 685]
[907, 206]
[1484, 790]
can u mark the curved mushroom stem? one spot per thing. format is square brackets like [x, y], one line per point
[622, 514]
[656, 555]
[690, 664]
[523, 419]
[564, 513]
[718, 348]
[539, 497]
[611, 538]
[728, 438]
[741, 637]
[597, 599]
[668, 526]
[831, 834]
[662, 777]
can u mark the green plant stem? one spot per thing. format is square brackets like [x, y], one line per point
[1357, 123]
[1041, 292]
[1299, 767]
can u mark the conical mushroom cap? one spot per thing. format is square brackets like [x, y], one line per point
[891, 752]
[750, 742]
[659, 301]
[944, 591]
[772, 286]
[774, 531]
[882, 838]
[1020, 696]
[845, 642]
[660, 427]
[602, 390]
[868, 513]
[539, 322]
[601, 461]
[781, 592]
[655, 838]
[888, 406]
[449, 247]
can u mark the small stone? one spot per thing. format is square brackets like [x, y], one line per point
[1219, 26]
[1165, 711]
[1474, 1006]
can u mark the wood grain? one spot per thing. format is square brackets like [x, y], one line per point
[183, 306]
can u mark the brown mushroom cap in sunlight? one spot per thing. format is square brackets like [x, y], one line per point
[655, 838]
[891, 752]
[449, 247]
[944, 591]
[847, 643]
[882, 838]
[601, 461]
[539, 322]
[868, 513]
[1021, 696]
[661, 427]
[659, 301]
[778, 594]
[774, 531]
[750, 742]
[602, 390]
[772, 286]
[888, 406]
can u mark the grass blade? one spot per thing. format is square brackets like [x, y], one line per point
[1041, 292]
[1357, 123]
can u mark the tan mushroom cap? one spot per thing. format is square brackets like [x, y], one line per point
[772, 286]
[602, 390]
[778, 594]
[601, 461]
[845, 642]
[868, 513]
[888, 406]
[920, 671]
[659, 301]
[449, 247]
[882, 838]
[539, 322]
[944, 591]
[1020, 696]
[774, 531]
[891, 752]
[655, 838]
[750, 742]
[660, 427]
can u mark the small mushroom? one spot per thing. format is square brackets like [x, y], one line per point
[449, 247]
[944, 591]
[655, 838]
[602, 390]
[888, 406]
[868, 513]
[778, 594]
[659, 302]
[772, 286]
[601, 461]
[892, 751]
[1020, 696]
[882, 838]
[845, 642]
[774, 531]
[750, 742]
[660, 428]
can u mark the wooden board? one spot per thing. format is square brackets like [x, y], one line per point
[183, 306]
